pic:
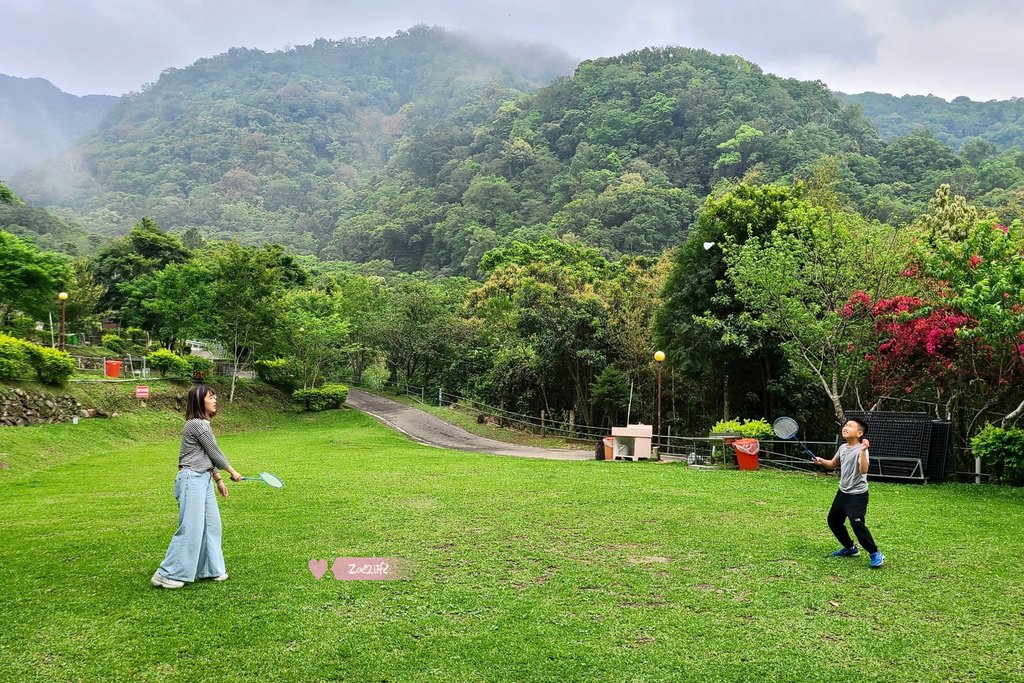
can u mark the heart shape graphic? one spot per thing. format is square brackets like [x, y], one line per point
[318, 567]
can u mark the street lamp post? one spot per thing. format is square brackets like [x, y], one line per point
[659, 358]
[63, 296]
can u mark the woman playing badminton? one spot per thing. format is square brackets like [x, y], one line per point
[851, 499]
[195, 550]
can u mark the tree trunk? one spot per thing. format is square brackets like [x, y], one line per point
[833, 394]
[1013, 415]
[725, 398]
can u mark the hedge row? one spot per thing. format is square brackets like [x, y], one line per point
[19, 357]
[327, 396]
[165, 361]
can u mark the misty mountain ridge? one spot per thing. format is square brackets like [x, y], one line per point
[429, 147]
[954, 122]
[38, 120]
[288, 135]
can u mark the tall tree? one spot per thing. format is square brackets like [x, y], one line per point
[414, 330]
[982, 277]
[544, 299]
[29, 278]
[243, 304]
[145, 250]
[177, 301]
[697, 293]
[313, 335]
[810, 282]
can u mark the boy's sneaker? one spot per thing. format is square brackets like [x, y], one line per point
[847, 552]
[877, 559]
[162, 581]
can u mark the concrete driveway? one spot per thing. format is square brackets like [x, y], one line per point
[432, 431]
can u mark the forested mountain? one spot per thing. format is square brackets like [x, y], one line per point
[39, 120]
[621, 156]
[273, 146]
[998, 121]
[427, 149]
[570, 218]
[41, 227]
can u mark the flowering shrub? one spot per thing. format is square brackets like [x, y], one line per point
[917, 345]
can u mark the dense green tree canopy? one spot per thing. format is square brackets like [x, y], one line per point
[144, 251]
[29, 278]
[956, 123]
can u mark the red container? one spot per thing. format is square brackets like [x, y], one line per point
[113, 369]
[746, 453]
[609, 448]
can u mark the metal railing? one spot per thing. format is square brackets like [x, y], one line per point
[694, 450]
[714, 451]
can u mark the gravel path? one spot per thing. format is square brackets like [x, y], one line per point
[433, 431]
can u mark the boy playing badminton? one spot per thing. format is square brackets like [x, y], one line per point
[851, 499]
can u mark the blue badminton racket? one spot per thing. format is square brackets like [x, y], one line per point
[787, 429]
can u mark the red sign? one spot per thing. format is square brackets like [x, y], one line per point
[141, 392]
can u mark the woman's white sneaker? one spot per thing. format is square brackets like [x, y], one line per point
[222, 577]
[163, 582]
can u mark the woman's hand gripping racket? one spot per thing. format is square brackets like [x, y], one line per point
[268, 479]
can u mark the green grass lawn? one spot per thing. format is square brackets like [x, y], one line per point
[522, 569]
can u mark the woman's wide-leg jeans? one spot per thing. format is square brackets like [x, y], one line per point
[195, 550]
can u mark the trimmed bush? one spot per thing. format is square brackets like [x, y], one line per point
[18, 357]
[113, 342]
[277, 372]
[326, 397]
[197, 365]
[336, 394]
[52, 366]
[165, 360]
[1002, 450]
[14, 358]
[136, 336]
[750, 429]
[310, 399]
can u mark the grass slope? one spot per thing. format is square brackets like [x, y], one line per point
[522, 570]
[256, 407]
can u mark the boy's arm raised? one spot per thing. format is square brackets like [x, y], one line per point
[862, 462]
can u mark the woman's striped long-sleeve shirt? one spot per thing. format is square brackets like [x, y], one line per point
[199, 450]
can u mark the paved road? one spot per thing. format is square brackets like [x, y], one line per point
[427, 429]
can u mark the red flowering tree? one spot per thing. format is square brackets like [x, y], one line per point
[920, 350]
[962, 341]
[984, 279]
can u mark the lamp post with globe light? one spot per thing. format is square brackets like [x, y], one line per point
[659, 358]
[63, 296]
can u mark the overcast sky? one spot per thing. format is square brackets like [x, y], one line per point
[944, 47]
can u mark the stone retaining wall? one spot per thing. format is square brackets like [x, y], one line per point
[18, 408]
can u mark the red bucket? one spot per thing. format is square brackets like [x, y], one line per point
[746, 453]
[113, 369]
